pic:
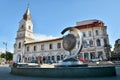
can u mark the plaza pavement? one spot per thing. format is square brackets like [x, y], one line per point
[5, 75]
[4, 65]
[105, 63]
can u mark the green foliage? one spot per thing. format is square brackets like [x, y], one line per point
[1, 59]
[112, 53]
[2, 55]
[8, 55]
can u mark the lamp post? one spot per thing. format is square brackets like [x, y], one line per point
[5, 43]
[23, 54]
[107, 50]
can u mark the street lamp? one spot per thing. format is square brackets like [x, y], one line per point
[23, 52]
[107, 50]
[5, 43]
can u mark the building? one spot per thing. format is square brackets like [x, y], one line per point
[96, 41]
[116, 54]
[117, 46]
[26, 49]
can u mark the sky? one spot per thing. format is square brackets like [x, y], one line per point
[50, 17]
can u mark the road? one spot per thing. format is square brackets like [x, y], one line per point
[5, 75]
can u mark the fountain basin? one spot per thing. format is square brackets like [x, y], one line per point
[71, 64]
[66, 72]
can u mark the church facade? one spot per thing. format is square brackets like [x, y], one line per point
[26, 49]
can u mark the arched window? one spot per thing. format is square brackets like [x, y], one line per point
[105, 42]
[90, 34]
[98, 42]
[34, 48]
[50, 46]
[49, 57]
[22, 26]
[58, 45]
[84, 35]
[58, 58]
[91, 43]
[62, 57]
[42, 47]
[85, 44]
[53, 58]
[19, 45]
[27, 48]
[29, 27]
[97, 33]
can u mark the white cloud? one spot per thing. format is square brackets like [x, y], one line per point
[40, 37]
[2, 50]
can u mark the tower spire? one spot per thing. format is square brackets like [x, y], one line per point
[28, 5]
[27, 15]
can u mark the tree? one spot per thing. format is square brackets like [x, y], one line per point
[112, 53]
[3, 55]
[9, 56]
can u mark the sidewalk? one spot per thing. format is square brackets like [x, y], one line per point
[47, 65]
[4, 65]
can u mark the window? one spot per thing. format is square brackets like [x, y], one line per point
[49, 58]
[22, 26]
[27, 48]
[50, 46]
[86, 56]
[34, 48]
[58, 58]
[20, 34]
[84, 35]
[58, 45]
[85, 44]
[104, 32]
[29, 27]
[96, 32]
[19, 45]
[92, 55]
[100, 53]
[53, 58]
[98, 42]
[42, 47]
[91, 43]
[90, 34]
[62, 57]
[105, 42]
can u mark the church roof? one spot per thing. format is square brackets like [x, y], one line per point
[27, 15]
[47, 40]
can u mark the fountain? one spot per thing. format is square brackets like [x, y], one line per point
[70, 41]
[70, 66]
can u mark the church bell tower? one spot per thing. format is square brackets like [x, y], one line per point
[24, 34]
[25, 30]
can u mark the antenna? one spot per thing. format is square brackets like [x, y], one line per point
[28, 5]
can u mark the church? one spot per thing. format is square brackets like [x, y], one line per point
[26, 49]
